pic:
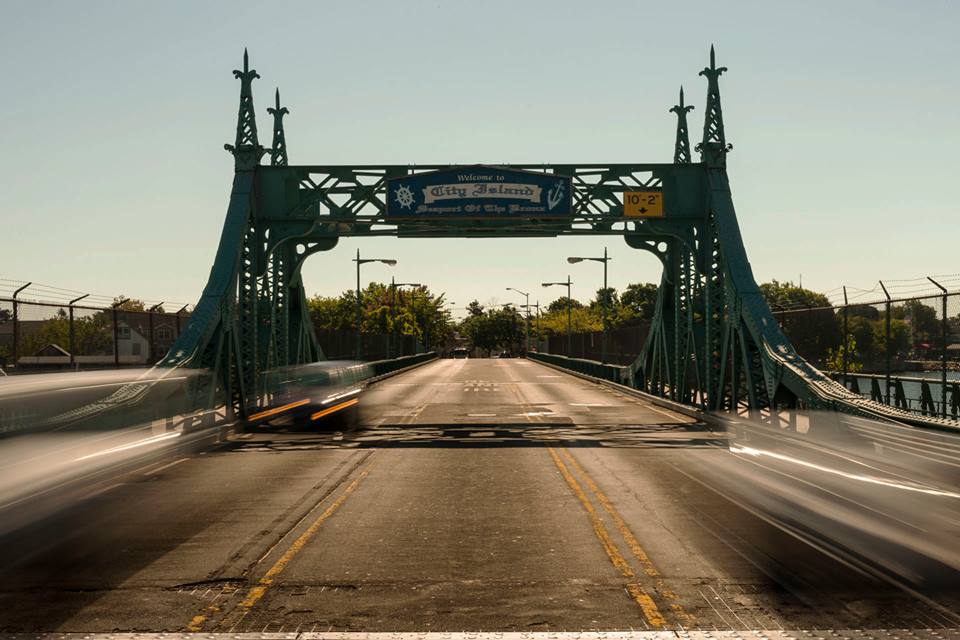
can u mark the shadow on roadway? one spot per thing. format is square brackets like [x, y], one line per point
[479, 435]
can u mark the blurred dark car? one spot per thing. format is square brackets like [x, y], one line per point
[326, 393]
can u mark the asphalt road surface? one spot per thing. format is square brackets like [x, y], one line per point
[476, 495]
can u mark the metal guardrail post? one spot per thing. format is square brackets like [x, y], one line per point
[846, 335]
[150, 350]
[944, 326]
[16, 325]
[73, 332]
[116, 332]
[179, 311]
[887, 330]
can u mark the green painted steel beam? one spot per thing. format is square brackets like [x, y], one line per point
[713, 341]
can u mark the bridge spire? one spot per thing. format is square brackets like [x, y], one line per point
[681, 149]
[714, 144]
[246, 149]
[278, 154]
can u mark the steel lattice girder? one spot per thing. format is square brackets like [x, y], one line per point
[714, 342]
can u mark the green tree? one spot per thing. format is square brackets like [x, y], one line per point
[920, 317]
[561, 304]
[806, 318]
[417, 312]
[494, 330]
[849, 350]
[92, 334]
[862, 334]
[582, 320]
[608, 295]
[641, 299]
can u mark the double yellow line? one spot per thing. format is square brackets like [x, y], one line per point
[260, 590]
[648, 605]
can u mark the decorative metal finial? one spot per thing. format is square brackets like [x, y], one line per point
[681, 148]
[278, 154]
[714, 144]
[246, 149]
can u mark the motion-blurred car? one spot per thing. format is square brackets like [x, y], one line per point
[325, 393]
[461, 352]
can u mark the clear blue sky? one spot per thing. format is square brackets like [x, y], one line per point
[845, 118]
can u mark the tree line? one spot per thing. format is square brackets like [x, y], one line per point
[807, 318]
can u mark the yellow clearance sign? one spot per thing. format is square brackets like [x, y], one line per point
[643, 204]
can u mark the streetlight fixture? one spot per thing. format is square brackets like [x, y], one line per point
[535, 305]
[527, 333]
[387, 261]
[393, 305]
[603, 299]
[569, 304]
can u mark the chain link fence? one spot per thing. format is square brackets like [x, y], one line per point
[42, 336]
[341, 344]
[904, 352]
[624, 344]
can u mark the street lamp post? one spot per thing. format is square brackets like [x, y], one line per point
[603, 299]
[535, 305]
[393, 306]
[569, 304]
[527, 333]
[387, 261]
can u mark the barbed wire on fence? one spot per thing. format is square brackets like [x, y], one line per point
[49, 294]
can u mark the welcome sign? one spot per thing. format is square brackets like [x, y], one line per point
[479, 191]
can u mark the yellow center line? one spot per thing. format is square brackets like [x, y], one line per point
[631, 540]
[632, 543]
[647, 605]
[256, 593]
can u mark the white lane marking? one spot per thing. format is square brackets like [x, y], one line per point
[94, 494]
[166, 466]
[133, 445]
[481, 415]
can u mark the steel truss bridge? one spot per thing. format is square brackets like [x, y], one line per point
[714, 343]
